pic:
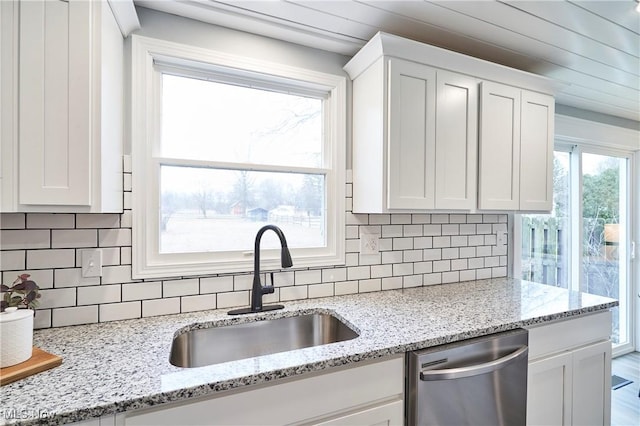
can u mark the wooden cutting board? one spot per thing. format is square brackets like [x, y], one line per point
[39, 361]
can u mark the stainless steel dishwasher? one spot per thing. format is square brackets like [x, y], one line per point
[480, 381]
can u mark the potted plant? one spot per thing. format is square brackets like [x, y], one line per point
[16, 320]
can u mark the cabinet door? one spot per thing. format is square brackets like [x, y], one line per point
[390, 414]
[456, 141]
[55, 114]
[499, 164]
[592, 385]
[549, 390]
[411, 143]
[536, 151]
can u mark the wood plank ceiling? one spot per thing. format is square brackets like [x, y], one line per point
[592, 46]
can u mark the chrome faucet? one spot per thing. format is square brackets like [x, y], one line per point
[258, 290]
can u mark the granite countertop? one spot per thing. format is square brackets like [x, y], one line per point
[124, 365]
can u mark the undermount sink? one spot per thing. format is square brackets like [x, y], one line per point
[206, 346]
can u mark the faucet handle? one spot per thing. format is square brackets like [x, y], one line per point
[268, 289]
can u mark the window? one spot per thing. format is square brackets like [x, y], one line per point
[230, 145]
[583, 243]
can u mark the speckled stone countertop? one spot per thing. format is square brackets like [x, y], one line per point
[124, 365]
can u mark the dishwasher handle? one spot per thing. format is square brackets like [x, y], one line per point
[474, 370]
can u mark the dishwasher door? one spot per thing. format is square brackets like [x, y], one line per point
[481, 381]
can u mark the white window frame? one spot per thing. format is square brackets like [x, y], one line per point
[581, 136]
[147, 261]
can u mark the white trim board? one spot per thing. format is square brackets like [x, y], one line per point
[577, 130]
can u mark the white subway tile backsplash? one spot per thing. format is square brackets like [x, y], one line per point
[114, 237]
[415, 250]
[42, 277]
[468, 275]
[126, 200]
[346, 287]
[42, 318]
[392, 231]
[367, 286]
[320, 290]
[334, 275]
[450, 277]
[216, 284]
[13, 239]
[308, 277]
[50, 220]
[126, 182]
[72, 238]
[380, 219]
[293, 293]
[74, 316]
[116, 274]
[400, 219]
[400, 269]
[12, 260]
[432, 254]
[12, 220]
[106, 220]
[96, 295]
[120, 311]
[432, 279]
[450, 253]
[482, 274]
[412, 230]
[200, 302]
[142, 290]
[439, 218]
[391, 283]
[450, 229]
[458, 264]
[402, 243]
[380, 271]
[236, 298]
[155, 307]
[421, 218]
[180, 287]
[439, 242]
[459, 241]
[457, 218]
[441, 265]
[358, 273]
[423, 267]
[412, 256]
[412, 281]
[57, 298]
[126, 163]
[55, 258]
[72, 277]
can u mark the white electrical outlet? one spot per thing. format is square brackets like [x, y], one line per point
[369, 243]
[501, 238]
[92, 263]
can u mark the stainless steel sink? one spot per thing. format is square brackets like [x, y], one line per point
[206, 346]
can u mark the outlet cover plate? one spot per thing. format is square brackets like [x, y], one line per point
[92, 263]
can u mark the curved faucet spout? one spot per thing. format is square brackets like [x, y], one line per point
[258, 290]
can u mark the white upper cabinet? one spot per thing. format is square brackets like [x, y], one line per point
[62, 105]
[416, 131]
[516, 149]
[411, 144]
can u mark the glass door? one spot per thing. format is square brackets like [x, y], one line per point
[605, 234]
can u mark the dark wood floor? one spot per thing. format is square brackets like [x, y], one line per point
[625, 404]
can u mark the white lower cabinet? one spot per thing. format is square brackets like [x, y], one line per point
[371, 394]
[569, 379]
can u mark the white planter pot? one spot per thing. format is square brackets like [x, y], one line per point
[16, 336]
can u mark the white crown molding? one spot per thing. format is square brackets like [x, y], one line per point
[576, 130]
[126, 16]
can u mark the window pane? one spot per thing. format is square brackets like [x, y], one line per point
[545, 237]
[212, 121]
[604, 229]
[221, 210]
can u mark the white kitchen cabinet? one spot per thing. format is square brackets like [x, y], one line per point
[416, 131]
[365, 394]
[516, 149]
[416, 154]
[62, 105]
[569, 380]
